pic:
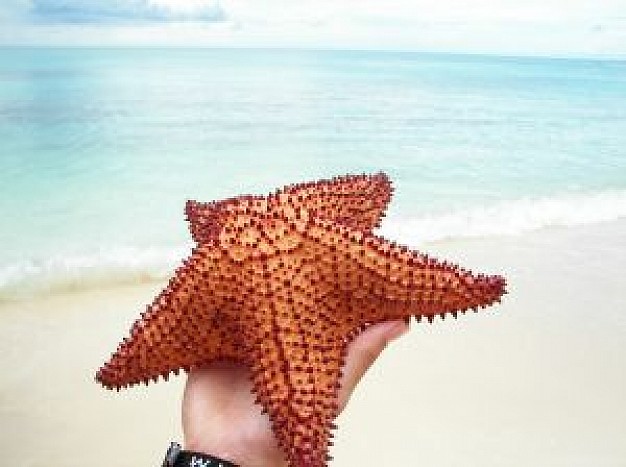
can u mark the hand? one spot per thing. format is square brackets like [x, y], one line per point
[220, 417]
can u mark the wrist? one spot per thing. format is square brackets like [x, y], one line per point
[220, 418]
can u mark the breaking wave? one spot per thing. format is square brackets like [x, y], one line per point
[116, 266]
[512, 217]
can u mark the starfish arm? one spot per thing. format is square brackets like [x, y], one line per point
[296, 367]
[387, 281]
[206, 220]
[357, 201]
[184, 327]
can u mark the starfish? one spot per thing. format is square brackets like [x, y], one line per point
[282, 284]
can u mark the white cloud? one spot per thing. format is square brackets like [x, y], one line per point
[125, 11]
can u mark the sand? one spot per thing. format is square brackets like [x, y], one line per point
[540, 380]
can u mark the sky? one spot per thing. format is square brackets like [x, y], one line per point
[520, 27]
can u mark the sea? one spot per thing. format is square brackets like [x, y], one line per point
[101, 147]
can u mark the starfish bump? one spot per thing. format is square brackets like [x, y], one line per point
[282, 284]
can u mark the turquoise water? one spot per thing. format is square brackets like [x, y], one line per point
[100, 148]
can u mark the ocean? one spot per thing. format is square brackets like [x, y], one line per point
[100, 148]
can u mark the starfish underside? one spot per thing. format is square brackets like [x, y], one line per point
[282, 284]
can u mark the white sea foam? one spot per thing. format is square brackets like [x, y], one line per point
[115, 266]
[127, 265]
[512, 217]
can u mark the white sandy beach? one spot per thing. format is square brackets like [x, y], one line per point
[539, 380]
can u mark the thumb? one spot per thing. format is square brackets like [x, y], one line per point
[363, 351]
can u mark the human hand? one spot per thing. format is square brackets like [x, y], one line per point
[220, 417]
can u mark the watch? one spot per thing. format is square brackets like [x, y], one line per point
[176, 457]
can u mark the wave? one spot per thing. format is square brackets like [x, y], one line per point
[112, 267]
[130, 265]
[511, 217]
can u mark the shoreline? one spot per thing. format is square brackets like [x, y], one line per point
[110, 266]
[538, 380]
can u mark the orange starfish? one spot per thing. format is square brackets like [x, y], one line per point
[282, 284]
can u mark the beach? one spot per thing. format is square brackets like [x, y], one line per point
[507, 165]
[538, 380]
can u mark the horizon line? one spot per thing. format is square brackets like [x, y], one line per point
[495, 54]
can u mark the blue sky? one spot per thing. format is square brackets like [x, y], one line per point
[527, 27]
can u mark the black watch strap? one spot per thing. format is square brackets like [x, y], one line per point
[176, 457]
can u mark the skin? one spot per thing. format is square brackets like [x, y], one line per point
[220, 417]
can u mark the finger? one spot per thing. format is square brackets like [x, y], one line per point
[364, 350]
